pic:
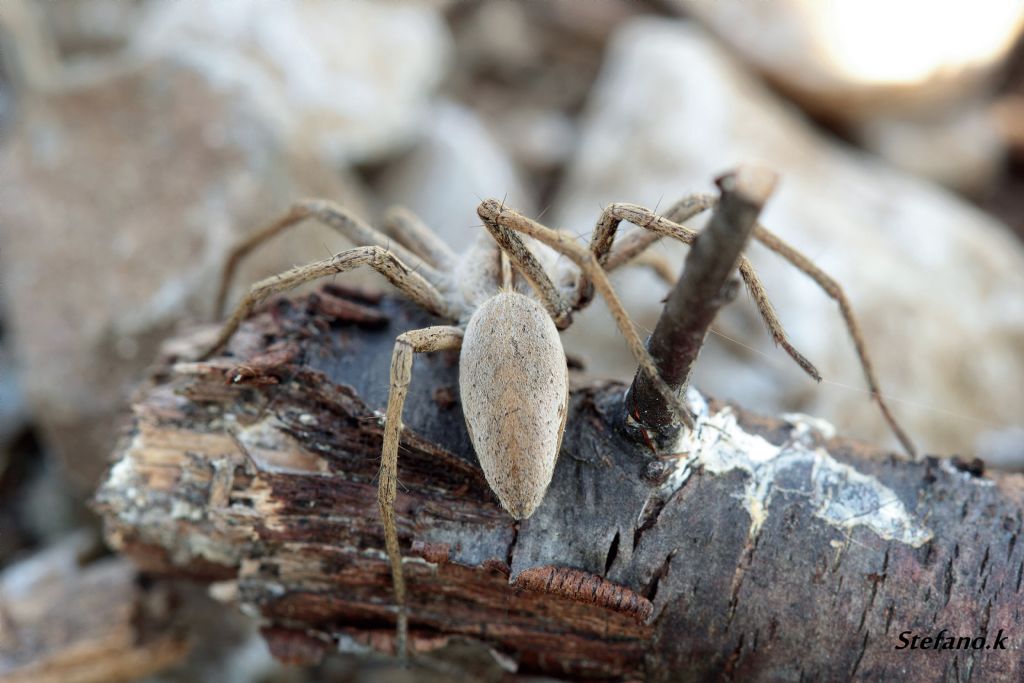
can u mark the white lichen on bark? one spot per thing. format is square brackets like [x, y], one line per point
[838, 494]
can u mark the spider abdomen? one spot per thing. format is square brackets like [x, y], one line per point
[515, 392]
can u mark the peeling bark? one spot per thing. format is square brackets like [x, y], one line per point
[765, 549]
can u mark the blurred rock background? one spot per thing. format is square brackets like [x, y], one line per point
[139, 139]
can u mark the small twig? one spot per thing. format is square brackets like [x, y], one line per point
[705, 286]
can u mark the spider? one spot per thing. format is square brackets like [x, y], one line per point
[506, 298]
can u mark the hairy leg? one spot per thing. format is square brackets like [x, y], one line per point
[494, 213]
[412, 284]
[835, 292]
[329, 214]
[514, 248]
[409, 343]
[636, 242]
[658, 264]
[406, 227]
[652, 227]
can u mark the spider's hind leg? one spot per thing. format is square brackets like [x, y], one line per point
[411, 283]
[406, 227]
[331, 215]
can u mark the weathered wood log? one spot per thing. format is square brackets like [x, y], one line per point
[764, 549]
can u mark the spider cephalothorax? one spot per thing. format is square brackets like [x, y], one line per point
[506, 297]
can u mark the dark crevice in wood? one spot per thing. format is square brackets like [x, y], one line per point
[613, 552]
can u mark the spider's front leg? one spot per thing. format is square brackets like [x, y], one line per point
[652, 227]
[503, 223]
[836, 293]
[512, 245]
[441, 338]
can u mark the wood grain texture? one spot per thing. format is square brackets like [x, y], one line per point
[774, 569]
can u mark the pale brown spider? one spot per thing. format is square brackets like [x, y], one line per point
[507, 296]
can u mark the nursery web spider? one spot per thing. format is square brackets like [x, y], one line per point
[506, 298]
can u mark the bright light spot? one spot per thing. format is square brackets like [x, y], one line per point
[907, 41]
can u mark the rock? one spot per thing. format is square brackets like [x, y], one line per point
[30, 56]
[92, 26]
[69, 618]
[962, 148]
[856, 59]
[935, 283]
[911, 80]
[526, 68]
[539, 140]
[1003, 448]
[455, 164]
[122, 199]
[344, 79]
[540, 54]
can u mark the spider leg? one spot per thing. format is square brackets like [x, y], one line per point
[639, 240]
[632, 245]
[658, 264]
[512, 245]
[503, 221]
[652, 228]
[635, 242]
[409, 343]
[835, 292]
[329, 214]
[388, 264]
[406, 227]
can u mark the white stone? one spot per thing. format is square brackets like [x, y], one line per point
[539, 140]
[912, 79]
[347, 79]
[856, 59]
[455, 164]
[121, 200]
[962, 148]
[935, 283]
[1003, 448]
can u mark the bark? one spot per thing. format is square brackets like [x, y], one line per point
[765, 549]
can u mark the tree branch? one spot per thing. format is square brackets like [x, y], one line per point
[764, 550]
[707, 284]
